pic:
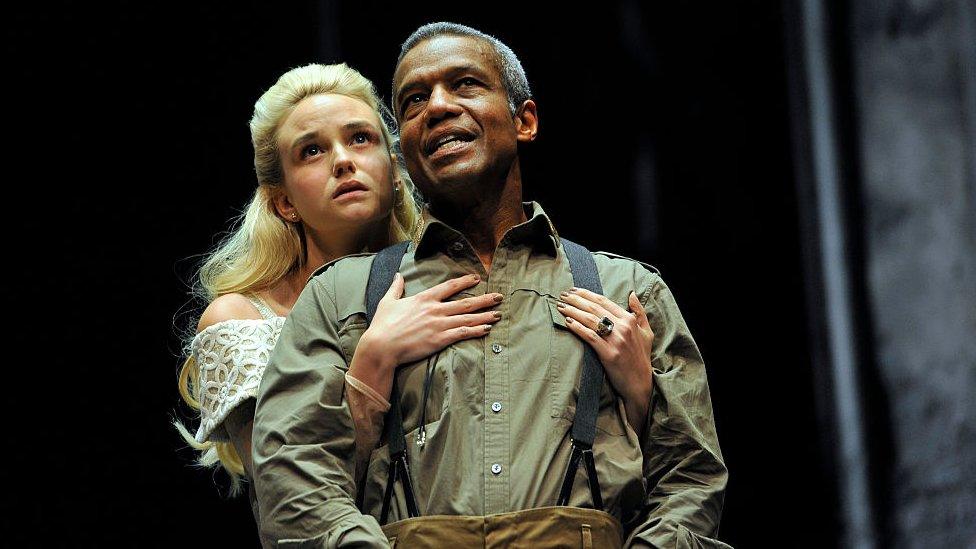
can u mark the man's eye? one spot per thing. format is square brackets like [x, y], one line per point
[412, 100]
[468, 81]
[310, 150]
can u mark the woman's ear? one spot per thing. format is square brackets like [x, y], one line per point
[397, 183]
[526, 122]
[283, 205]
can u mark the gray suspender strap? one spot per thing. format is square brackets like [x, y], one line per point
[381, 273]
[585, 276]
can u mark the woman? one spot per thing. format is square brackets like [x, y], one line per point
[329, 184]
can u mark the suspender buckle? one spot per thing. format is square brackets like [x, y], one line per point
[399, 468]
[584, 452]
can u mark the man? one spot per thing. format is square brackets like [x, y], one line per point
[488, 420]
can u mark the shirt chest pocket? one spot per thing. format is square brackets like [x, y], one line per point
[565, 366]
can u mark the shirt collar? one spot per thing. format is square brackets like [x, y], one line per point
[538, 231]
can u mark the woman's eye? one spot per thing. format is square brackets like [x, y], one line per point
[310, 150]
[361, 138]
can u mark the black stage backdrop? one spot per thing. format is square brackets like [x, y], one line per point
[664, 136]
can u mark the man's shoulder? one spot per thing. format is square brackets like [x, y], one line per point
[620, 275]
[347, 265]
[612, 261]
[344, 281]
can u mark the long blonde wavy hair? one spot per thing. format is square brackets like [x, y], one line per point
[261, 247]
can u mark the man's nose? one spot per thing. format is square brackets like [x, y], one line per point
[343, 162]
[441, 104]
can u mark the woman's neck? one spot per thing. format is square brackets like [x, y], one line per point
[319, 251]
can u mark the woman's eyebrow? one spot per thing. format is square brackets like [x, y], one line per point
[304, 138]
[358, 125]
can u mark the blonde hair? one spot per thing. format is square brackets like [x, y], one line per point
[262, 247]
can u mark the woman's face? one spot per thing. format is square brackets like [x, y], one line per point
[338, 172]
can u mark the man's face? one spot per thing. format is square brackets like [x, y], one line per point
[456, 130]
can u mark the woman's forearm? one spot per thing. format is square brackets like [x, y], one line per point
[372, 366]
[637, 403]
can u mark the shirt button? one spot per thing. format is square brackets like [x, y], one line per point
[496, 406]
[496, 468]
[496, 348]
[457, 247]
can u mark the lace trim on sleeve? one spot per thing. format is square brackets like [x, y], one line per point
[231, 357]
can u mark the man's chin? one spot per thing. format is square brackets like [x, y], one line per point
[451, 176]
[448, 188]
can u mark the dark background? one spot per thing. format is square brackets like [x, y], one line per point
[665, 135]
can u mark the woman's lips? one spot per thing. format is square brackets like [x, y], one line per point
[351, 194]
[349, 187]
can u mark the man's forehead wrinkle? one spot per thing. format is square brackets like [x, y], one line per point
[433, 57]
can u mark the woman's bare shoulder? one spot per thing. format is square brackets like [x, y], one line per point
[228, 307]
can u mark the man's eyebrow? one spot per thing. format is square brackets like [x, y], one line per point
[450, 74]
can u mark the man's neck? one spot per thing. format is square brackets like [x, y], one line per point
[484, 221]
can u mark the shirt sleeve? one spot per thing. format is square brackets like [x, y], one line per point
[683, 465]
[304, 434]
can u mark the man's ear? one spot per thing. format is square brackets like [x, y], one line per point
[526, 122]
[283, 205]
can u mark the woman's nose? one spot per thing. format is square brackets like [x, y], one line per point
[343, 162]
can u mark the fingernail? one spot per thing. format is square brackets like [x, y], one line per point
[563, 294]
[487, 327]
[573, 289]
[476, 277]
[560, 305]
[496, 315]
[569, 320]
[497, 298]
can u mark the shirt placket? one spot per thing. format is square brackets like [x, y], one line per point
[497, 403]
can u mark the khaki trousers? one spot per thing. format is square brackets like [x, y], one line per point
[542, 528]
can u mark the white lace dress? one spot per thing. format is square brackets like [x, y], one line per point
[231, 357]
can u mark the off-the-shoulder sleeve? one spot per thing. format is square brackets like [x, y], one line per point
[231, 357]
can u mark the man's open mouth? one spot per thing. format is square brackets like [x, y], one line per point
[447, 141]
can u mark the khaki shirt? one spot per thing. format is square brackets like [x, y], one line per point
[500, 408]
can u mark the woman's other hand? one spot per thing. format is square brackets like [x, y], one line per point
[625, 352]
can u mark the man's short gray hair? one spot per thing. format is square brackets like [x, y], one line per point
[513, 75]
